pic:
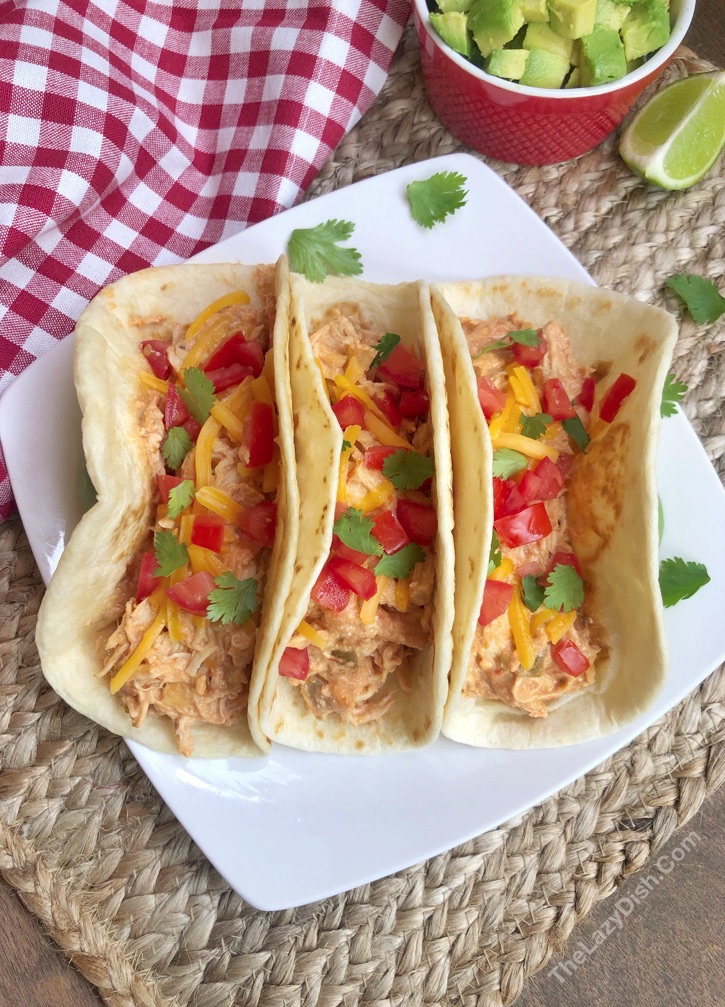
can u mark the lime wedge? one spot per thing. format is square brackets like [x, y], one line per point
[675, 138]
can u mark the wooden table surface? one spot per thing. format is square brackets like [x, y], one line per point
[669, 952]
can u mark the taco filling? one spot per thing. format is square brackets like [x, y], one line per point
[184, 646]
[534, 641]
[370, 608]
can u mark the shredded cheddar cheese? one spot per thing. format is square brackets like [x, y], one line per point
[209, 340]
[376, 497]
[205, 559]
[402, 595]
[526, 445]
[311, 634]
[133, 663]
[369, 608]
[383, 432]
[524, 389]
[559, 625]
[219, 502]
[503, 570]
[202, 455]
[151, 381]
[519, 623]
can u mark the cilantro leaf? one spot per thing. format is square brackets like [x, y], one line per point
[680, 579]
[408, 470]
[177, 444]
[575, 428]
[383, 349]
[433, 199]
[180, 497]
[400, 563]
[346, 446]
[673, 391]
[232, 600]
[564, 588]
[199, 394]
[170, 554]
[704, 301]
[314, 251]
[526, 337]
[507, 462]
[532, 592]
[356, 531]
[535, 426]
[494, 553]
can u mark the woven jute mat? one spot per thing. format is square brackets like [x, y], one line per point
[121, 888]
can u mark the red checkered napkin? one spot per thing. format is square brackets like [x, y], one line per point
[135, 133]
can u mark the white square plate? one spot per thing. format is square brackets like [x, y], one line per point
[299, 827]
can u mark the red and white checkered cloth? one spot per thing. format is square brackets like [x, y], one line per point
[137, 132]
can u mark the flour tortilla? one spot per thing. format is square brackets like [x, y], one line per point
[87, 592]
[415, 719]
[612, 505]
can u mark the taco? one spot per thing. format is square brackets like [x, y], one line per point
[554, 393]
[160, 618]
[363, 650]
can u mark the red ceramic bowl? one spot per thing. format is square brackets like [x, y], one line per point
[531, 125]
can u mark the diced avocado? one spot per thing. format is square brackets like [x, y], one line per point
[632, 64]
[572, 18]
[574, 79]
[602, 57]
[453, 29]
[508, 63]
[535, 11]
[494, 23]
[540, 36]
[457, 6]
[646, 28]
[544, 69]
[610, 14]
[576, 53]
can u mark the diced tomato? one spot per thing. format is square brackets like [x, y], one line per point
[175, 411]
[491, 399]
[561, 558]
[414, 403]
[146, 580]
[496, 597]
[419, 522]
[166, 484]
[543, 482]
[528, 525]
[375, 456]
[615, 396]
[295, 663]
[260, 522]
[556, 401]
[192, 594]
[388, 407]
[530, 486]
[258, 435]
[569, 658]
[329, 592]
[403, 368]
[353, 555]
[507, 498]
[237, 350]
[155, 351]
[192, 428]
[389, 531]
[530, 356]
[349, 411]
[359, 579]
[227, 377]
[208, 532]
[586, 395]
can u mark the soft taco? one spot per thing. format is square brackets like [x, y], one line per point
[364, 647]
[554, 393]
[160, 618]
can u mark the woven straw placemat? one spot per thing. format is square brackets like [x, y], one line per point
[118, 884]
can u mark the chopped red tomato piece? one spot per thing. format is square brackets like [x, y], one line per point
[403, 368]
[340, 549]
[543, 482]
[146, 580]
[349, 411]
[192, 594]
[419, 522]
[329, 592]
[260, 522]
[388, 406]
[208, 532]
[175, 411]
[227, 377]
[491, 399]
[389, 531]
[258, 435]
[375, 456]
[615, 396]
[414, 403]
[530, 356]
[561, 558]
[556, 401]
[528, 525]
[507, 498]
[359, 579]
[237, 350]
[295, 663]
[155, 351]
[586, 395]
[166, 484]
[569, 658]
[496, 597]
[192, 428]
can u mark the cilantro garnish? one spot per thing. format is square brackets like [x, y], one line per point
[494, 553]
[535, 426]
[314, 251]
[170, 554]
[408, 470]
[198, 395]
[526, 337]
[400, 563]
[356, 531]
[232, 600]
[704, 301]
[532, 592]
[177, 444]
[180, 497]
[673, 391]
[575, 428]
[433, 199]
[383, 349]
[507, 462]
[680, 579]
[346, 446]
[564, 588]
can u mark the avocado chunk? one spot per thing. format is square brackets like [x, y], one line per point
[540, 36]
[508, 63]
[544, 69]
[535, 11]
[493, 23]
[646, 28]
[602, 57]
[610, 14]
[457, 6]
[453, 29]
[572, 18]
